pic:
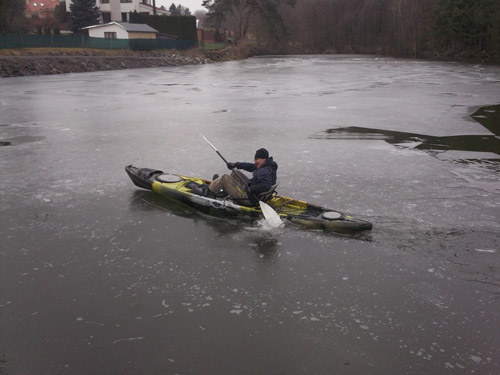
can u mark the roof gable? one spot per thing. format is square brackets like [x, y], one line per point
[131, 27]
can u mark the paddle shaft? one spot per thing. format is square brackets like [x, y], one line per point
[222, 157]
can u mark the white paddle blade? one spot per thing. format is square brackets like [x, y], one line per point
[271, 216]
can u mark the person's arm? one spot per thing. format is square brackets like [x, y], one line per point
[250, 167]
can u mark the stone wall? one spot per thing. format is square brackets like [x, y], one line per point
[53, 61]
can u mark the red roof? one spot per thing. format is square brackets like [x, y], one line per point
[161, 10]
[39, 6]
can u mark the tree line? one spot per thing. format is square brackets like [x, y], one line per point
[410, 28]
[179, 10]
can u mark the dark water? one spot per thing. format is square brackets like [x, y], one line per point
[488, 116]
[98, 277]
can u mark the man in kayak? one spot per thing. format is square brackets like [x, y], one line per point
[245, 191]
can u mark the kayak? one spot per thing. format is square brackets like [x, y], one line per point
[180, 188]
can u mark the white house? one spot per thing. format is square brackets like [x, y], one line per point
[122, 30]
[118, 10]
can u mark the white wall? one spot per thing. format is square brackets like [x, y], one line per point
[123, 7]
[98, 32]
[116, 8]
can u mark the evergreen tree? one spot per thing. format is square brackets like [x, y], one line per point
[495, 30]
[484, 22]
[83, 13]
[61, 17]
[2, 17]
[173, 10]
[463, 24]
[60, 13]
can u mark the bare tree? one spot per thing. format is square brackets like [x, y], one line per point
[238, 14]
[398, 27]
[200, 16]
[12, 17]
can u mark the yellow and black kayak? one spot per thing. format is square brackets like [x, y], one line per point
[179, 188]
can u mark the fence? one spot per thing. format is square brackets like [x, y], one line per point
[82, 41]
[40, 41]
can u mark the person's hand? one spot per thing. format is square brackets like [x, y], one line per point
[230, 166]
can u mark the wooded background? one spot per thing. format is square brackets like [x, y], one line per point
[409, 28]
[406, 28]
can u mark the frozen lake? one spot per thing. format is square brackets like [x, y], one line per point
[99, 277]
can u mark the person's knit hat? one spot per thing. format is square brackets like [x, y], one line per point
[261, 153]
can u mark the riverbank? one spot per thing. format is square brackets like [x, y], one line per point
[42, 61]
[471, 57]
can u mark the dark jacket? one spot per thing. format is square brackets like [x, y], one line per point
[263, 178]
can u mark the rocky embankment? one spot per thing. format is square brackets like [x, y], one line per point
[28, 62]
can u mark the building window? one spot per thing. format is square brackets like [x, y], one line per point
[104, 1]
[106, 17]
[124, 17]
[110, 35]
[125, 1]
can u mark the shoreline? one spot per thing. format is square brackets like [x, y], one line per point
[47, 61]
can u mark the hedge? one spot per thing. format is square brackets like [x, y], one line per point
[183, 27]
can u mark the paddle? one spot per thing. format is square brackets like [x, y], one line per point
[271, 216]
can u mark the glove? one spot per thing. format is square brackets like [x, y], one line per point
[231, 166]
